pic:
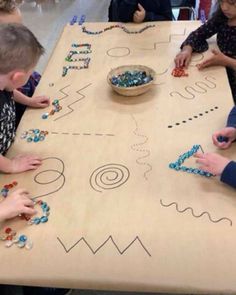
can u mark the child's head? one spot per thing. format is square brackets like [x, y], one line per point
[225, 9]
[9, 12]
[19, 54]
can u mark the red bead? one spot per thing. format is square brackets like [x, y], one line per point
[8, 230]
[14, 183]
[9, 238]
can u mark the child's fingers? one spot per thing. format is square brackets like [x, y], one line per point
[28, 211]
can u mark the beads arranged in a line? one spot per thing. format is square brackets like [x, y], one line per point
[131, 78]
[73, 52]
[56, 108]
[37, 220]
[85, 65]
[177, 165]
[7, 187]
[34, 135]
[118, 26]
[10, 238]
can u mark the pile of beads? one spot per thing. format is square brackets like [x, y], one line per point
[34, 135]
[73, 52]
[177, 165]
[85, 65]
[37, 220]
[179, 72]
[7, 187]
[56, 108]
[10, 238]
[131, 78]
[118, 26]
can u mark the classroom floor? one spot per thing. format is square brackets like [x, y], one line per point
[46, 18]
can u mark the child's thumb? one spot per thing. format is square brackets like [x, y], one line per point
[215, 51]
[140, 7]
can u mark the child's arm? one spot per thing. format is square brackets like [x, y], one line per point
[16, 203]
[197, 42]
[218, 59]
[19, 163]
[35, 102]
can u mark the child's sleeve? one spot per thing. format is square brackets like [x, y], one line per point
[229, 174]
[198, 38]
[126, 9]
[231, 121]
[165, 12]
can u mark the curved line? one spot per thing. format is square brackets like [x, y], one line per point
[181, 95]
[207, 78]
[194, 215]
[61, 175]
[191, 87]
[110, 238]
[118, 55]
[201, 57]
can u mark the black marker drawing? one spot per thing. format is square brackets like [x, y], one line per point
[146, 152]
[196, 116]
[64, 93]
[108, 177]
[69, 106]
[194, 215]
[82, 134]
[110, 238]
[59, 177]
[118, 52]
[191, 90]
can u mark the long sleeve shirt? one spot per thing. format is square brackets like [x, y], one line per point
[226, 41]
[228, 175]
[156, 10]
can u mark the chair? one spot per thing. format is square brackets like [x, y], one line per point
[186, 5]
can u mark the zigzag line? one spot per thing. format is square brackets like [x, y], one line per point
[134, 148]
[69, 106]
[165, 42]
[110, 238]
[194, 215]
[66, 95]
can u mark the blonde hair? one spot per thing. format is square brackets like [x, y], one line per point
[7, 6]
[19, 50]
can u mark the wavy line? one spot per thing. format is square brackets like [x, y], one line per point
[134, 147]
[194, 215]
[69, 106]
[192, 95]
[110, 238]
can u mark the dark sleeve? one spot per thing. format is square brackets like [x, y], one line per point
[126, 9]
[165, 12]
[229, 174]
[198, 38]
[231, 121]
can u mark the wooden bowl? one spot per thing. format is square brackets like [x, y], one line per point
[134, 90]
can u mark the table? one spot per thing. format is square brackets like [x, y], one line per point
[120, 218]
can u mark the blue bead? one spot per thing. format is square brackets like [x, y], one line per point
[36, 220]
[44, 219]
[222, 138]
[22, 238]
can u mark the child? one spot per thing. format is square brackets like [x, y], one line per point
[19, 53]
[139, 11]
[217, 164]
[222, 23]
[9, 13]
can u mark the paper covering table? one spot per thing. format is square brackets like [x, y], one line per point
[120, 218]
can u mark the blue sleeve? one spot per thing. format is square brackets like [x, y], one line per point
[198, 38]
[228, 176]
[231, 121]
[166, 13]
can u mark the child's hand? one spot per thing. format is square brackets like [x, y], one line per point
[229, 133]
[23, 163]
[211, 162]
[39, 101]
[16, 203]
[217, 59]
[139, 14]
[183, 58]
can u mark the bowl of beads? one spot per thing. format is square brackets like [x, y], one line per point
[131, 80]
